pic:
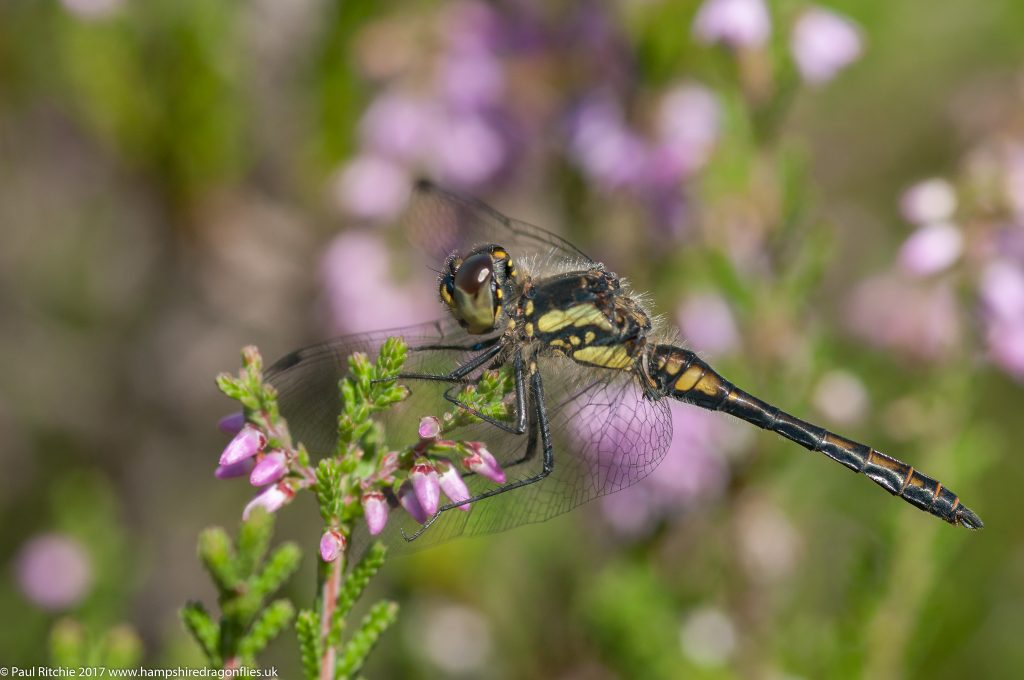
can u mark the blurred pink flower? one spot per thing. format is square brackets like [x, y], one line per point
[361, 294]
[823, 43]
[687, 126]
[737, 23]
[54, 571]
[603, 146]
[92, 9]
[1013, 182]
[931, 249]
[841, 397]
[915, 318]
[931, 200]
[372, 187]
[1002, 290]
[467, 150]
[398, 125]
[375, 509]
[707, 323]
[1002, 294]
[471, 80]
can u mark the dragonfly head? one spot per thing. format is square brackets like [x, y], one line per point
[473, 288]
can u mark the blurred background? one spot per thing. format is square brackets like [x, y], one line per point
[828, 201]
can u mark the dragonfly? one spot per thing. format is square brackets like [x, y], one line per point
[593, 372]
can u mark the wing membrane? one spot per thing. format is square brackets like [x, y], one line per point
[440, 222]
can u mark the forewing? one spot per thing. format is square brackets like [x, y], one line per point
[307, 381]
[440, 222]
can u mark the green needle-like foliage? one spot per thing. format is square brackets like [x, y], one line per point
[243, 582]
[376, 621]
[309, 643]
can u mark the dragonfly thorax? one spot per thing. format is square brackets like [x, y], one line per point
[475, 287]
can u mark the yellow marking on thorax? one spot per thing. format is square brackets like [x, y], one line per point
[574, 339]
[585, 314]
[589, 337]
[689, 378]
[529, 330]
[528, 310]
[614, 356]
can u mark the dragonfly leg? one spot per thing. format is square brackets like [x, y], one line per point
[519, 426]
[542, 427]
[459, 374]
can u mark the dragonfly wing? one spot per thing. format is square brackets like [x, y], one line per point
[439, 222]
[306, 380]
[606, 437]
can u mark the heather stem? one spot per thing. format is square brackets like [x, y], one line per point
[328, 603]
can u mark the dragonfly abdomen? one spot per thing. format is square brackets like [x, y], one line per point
[681, 374]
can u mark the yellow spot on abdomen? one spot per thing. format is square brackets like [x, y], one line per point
[689, 378]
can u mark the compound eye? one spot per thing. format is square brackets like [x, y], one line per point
[475, 274]
[475, 302]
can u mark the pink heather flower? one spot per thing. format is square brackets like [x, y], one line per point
[430, 427]
[687, 126]
[375, 509]
[54, 571]
[916, 318]
[468, 150]
[425, 484]
[239, 469]
[372, 188]
[361, 293]
[473, 80]
[271, 498]
[1002, 291]
[931, 200]
[453, 486]
[247, 443]
[604, 147]
[398, 125]
[841, 397]
[92, 9]
[483, 463]
[407, 499]
[232, 423]
[823, 44]
[931, 249]
[332, 545]
[1006, 347]
[736, 23]
[707, 323]
[270, 469]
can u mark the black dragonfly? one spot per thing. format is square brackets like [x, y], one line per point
[592, 371]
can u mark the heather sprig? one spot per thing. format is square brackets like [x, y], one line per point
[362, 480]
[244, 577]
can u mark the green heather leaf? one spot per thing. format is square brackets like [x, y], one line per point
[306, 629]
[216, 555]
[328, 489]
[265, 628]
[376, 621]
[205, 632]
[279, 567]
[230, 386]
[253, 538]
